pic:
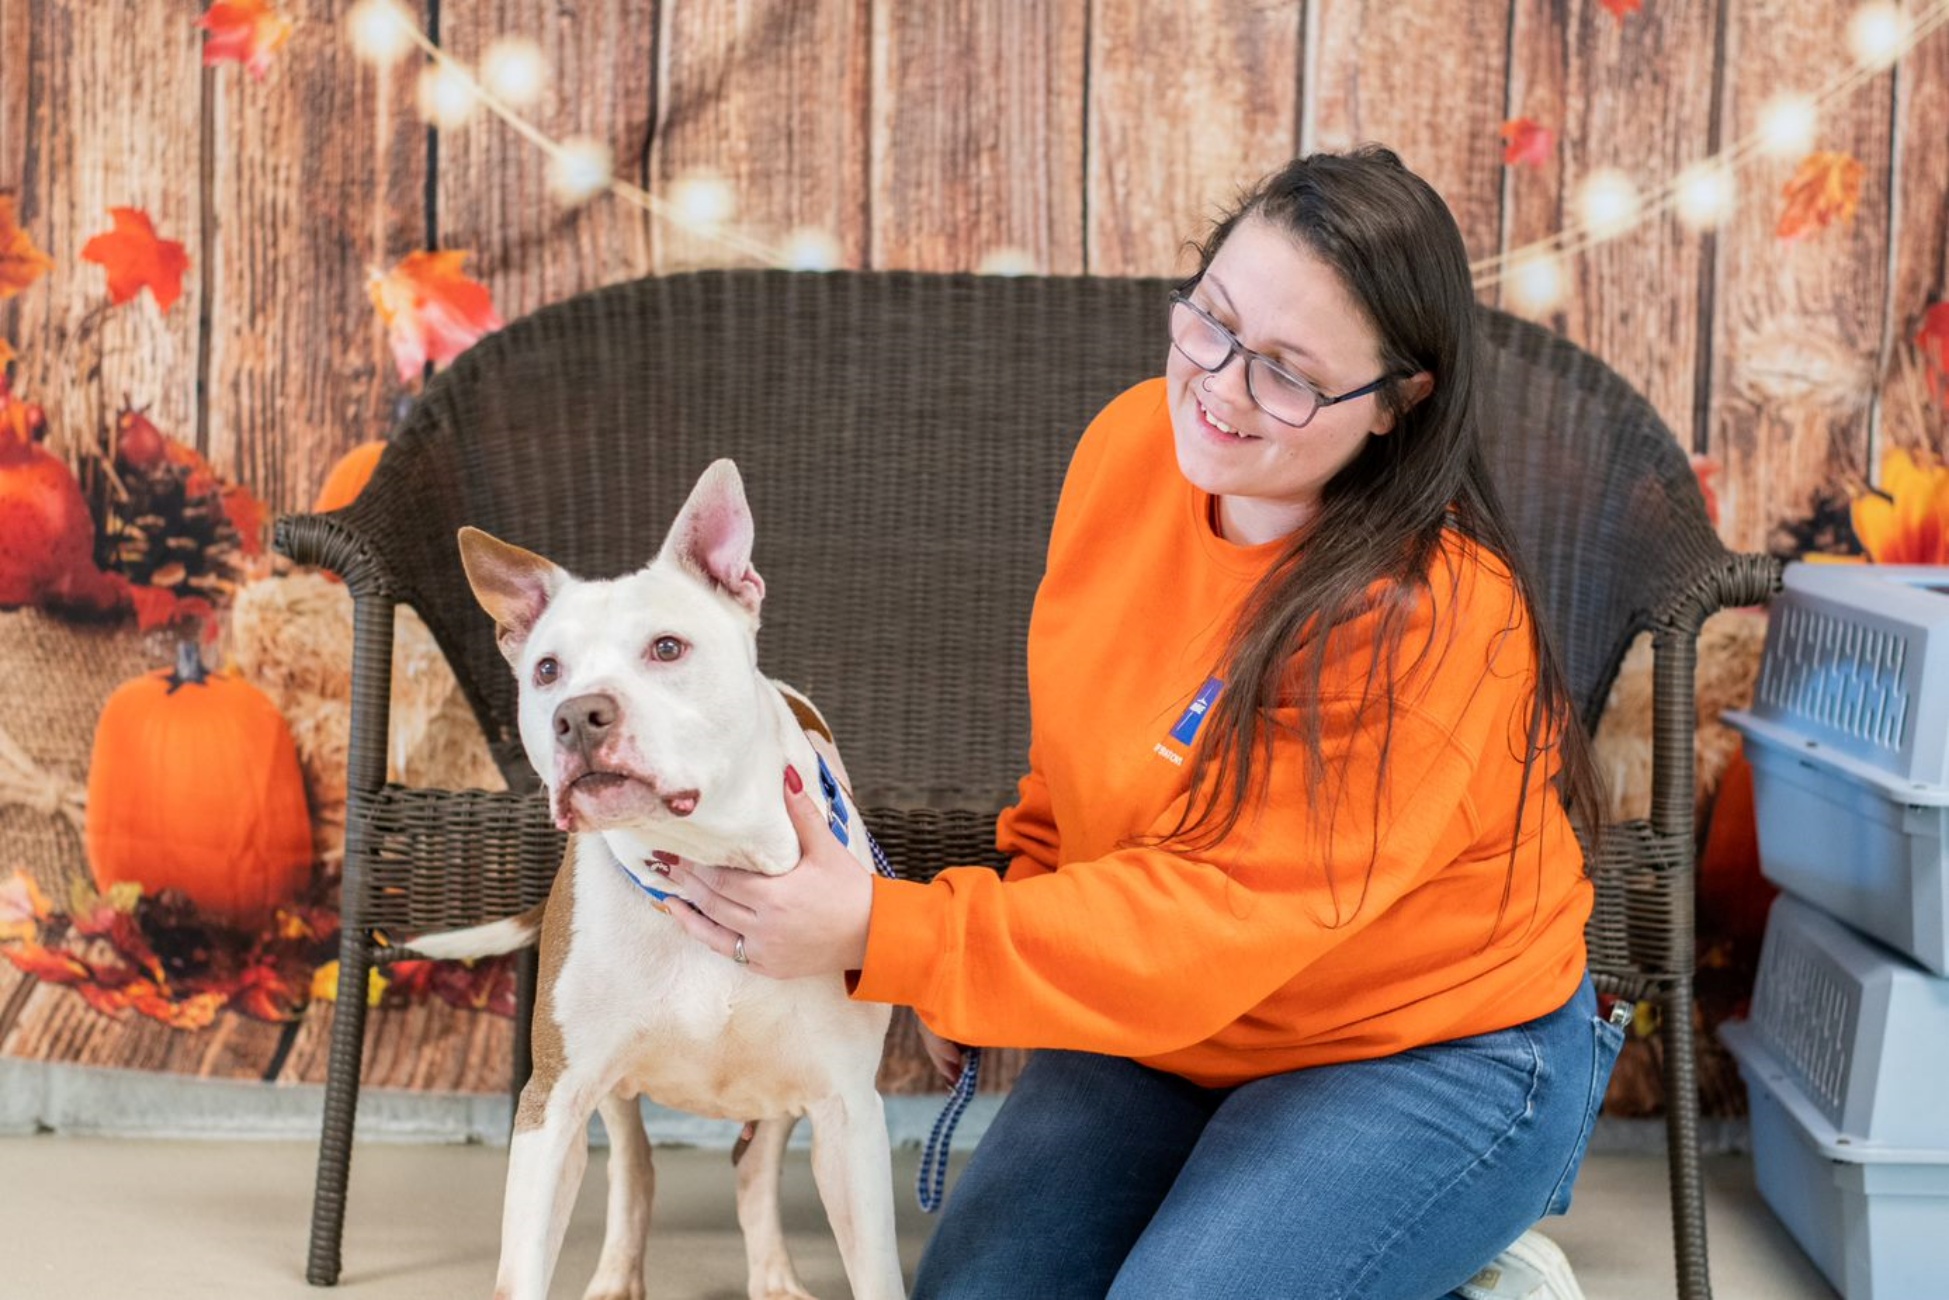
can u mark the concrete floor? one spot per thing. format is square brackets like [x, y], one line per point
[109, 1219]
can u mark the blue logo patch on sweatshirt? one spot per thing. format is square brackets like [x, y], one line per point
[1194, 713]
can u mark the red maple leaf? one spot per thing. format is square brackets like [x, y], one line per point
[246, 31]
[1525, 141]
[1825, 188]
[1933, 340]
[20, 262]
[137, 259]
[432, 311]
[54, 965]
[248, 516]
[1619, 8]
[154, 606]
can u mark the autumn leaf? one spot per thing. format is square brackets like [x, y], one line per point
[1933, 340]
[1525, 142]
[22, 907]
[1826, 188]
[53, 965]
[244, 31]
[154, 606]
[432, 311]
[1706, 469]
[20, 262]
[1619, 8]
[248, 516]
[1908, 521]
[137, 259]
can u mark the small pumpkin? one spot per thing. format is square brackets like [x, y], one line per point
[348, 476]
[194, 785]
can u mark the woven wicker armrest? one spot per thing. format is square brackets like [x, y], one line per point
[335, 542]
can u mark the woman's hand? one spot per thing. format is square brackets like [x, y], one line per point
[945, 1055]
[810, 921]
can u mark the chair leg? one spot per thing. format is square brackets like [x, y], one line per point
[1682, 1145]
[527, 972]
[341, 1108]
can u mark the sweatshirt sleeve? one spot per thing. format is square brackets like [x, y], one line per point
[1148, 950]
[1026, 832]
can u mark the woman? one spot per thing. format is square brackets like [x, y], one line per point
[1294, 899]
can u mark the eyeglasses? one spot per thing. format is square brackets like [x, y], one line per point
[1278, 392]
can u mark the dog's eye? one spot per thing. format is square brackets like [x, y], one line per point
[547, 670]
[667, 649]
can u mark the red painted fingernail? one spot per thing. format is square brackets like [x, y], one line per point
[666, 858]
[792, 781]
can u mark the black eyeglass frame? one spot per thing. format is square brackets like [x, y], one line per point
[1236, 349]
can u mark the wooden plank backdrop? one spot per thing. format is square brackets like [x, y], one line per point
[1061, 136]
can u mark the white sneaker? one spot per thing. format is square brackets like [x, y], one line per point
[1532, 1268]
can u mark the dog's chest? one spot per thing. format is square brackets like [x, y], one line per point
[642, 1002]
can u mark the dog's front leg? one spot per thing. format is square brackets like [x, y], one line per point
[632, 1186]
[850, 1160]
[768, 1265]
[546, 1160]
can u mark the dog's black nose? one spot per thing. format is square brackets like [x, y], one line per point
[585, 720]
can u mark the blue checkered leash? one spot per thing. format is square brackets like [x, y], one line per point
[930, 1183]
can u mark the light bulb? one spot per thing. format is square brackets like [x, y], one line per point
[446, 96]
[703, 202]
[1535, 283]
[513, 69]
[1876, 35]
[381, 31]
[1788, 126]
[807, 249]
[1704, 195]
[1609, 202]
[580, 169]
[1007, 261]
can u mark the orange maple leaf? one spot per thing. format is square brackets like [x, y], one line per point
[1825, 188]
[431, 310]
[1933, 340]
[1907, 522]
[1525, 141]
[137, 259]
[1619, 8]
[20, 262]
[54, 965]
[246, 31]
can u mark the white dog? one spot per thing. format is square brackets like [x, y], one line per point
[643, 710]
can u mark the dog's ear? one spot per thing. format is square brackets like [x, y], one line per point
[712, 536]
[514, 586]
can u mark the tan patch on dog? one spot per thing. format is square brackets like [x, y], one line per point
[545, 1041]
[808, 717]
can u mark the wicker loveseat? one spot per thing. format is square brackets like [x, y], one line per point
[902, 439]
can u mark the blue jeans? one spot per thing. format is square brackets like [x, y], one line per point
[1396, 1177]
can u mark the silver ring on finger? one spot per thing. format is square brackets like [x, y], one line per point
[738, 955]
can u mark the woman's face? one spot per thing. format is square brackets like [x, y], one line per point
[1283, 301]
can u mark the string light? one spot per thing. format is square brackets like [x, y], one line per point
[807, 249]
[1704, 195]
[446, 95]
[1789, 125]
[513, 69]
[703, 201]
[1535, 283]
[580, 169]
[1609, 201]
[381, 30]
[513, 74]
[1875, 35]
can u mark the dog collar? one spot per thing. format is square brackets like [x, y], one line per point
[839, 820]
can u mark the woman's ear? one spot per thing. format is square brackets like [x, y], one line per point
[1414, 389]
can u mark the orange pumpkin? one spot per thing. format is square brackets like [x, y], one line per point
[194, 784]
[348, 476]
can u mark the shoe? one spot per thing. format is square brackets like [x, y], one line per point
[1531, 1268]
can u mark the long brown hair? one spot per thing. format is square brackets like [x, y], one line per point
[1381, 519]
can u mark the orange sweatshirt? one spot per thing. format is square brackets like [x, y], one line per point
[1396, 923]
